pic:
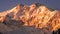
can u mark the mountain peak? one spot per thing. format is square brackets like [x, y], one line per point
[36, 15]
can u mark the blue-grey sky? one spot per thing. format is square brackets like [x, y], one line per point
[8, 4]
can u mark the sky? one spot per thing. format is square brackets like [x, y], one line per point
[8, 4]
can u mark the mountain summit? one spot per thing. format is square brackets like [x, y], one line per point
[35, 15]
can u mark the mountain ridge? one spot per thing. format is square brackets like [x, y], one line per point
[36, 15]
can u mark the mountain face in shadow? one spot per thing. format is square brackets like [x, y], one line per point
[33, 19]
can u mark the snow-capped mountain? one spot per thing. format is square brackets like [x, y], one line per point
[35, 15]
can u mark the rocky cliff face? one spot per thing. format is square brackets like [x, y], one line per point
[35, 15]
